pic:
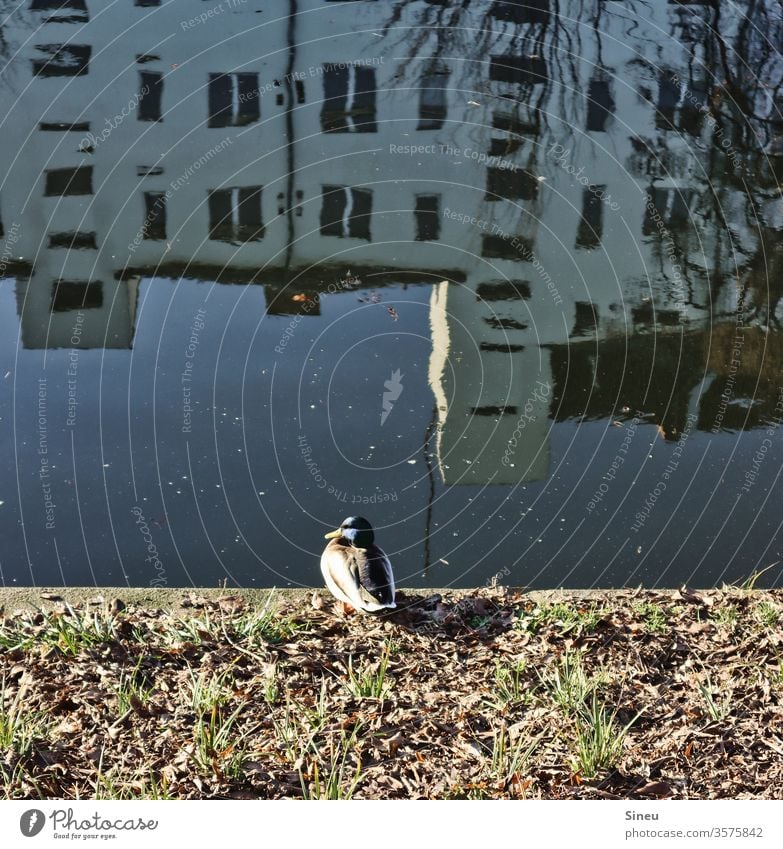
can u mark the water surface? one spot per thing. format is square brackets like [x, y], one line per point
[505, 279]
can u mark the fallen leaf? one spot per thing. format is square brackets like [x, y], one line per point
[659, 789]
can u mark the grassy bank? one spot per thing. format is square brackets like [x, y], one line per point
[489, 694]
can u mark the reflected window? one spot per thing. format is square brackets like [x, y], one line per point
[154, 227]
[46, 5]
[235, 214]
[591, 225]
[234, 100]
[504, 147]
[514, 124]
[600, 103]
[668, 98]
[64, 126]
[432, 99]
[502, 247]
[513, 68]
[345, 212]
[427, 218]
[503, 290]
[585, 319]
[282, 207]
[510, 184]
[69, 181]
[75, 11]
[70, 295]
[349, 99]
[505, 323]
[62, 60]
[521, 11]
[75, 240]
[646, 313]
[149, 170]
[693, 107]
[666, 212]
[501, 347]
[494, 410]
[150, 96]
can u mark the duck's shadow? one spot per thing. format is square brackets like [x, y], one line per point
[481, 616]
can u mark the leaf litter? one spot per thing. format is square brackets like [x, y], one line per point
[481, 694]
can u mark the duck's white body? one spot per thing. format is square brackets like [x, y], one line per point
[359, 576]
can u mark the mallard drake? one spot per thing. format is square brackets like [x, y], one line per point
[355, 570]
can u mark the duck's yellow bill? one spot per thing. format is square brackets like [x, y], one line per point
[334, 534]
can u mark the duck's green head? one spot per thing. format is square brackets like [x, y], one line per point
[356, 530]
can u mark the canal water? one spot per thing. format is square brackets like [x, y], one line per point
[504, 278]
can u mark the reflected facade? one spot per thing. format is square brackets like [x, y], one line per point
[577, 203]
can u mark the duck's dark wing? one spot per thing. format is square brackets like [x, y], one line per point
[375, 574]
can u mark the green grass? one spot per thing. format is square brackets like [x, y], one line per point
[599, 738]
[653, 615]
[264, 625]
[288, 731]
[369, 681]
[139, 786]
[16, 782]
[16, 633]
[297, 725]
[509, 760]
[726, 615]
[19, 727]
[133, 689]
[271, 689]
[248, 629]
[567, 618]
[767, 614]
[314, 717]
[568, 684]
[219, 746]
[329, 775]
[69, 632]
[511, 689]
[718, 707]
[749, 584]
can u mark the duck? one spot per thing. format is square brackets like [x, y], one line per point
[355, 569]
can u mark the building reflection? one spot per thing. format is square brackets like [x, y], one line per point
[584, 202]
